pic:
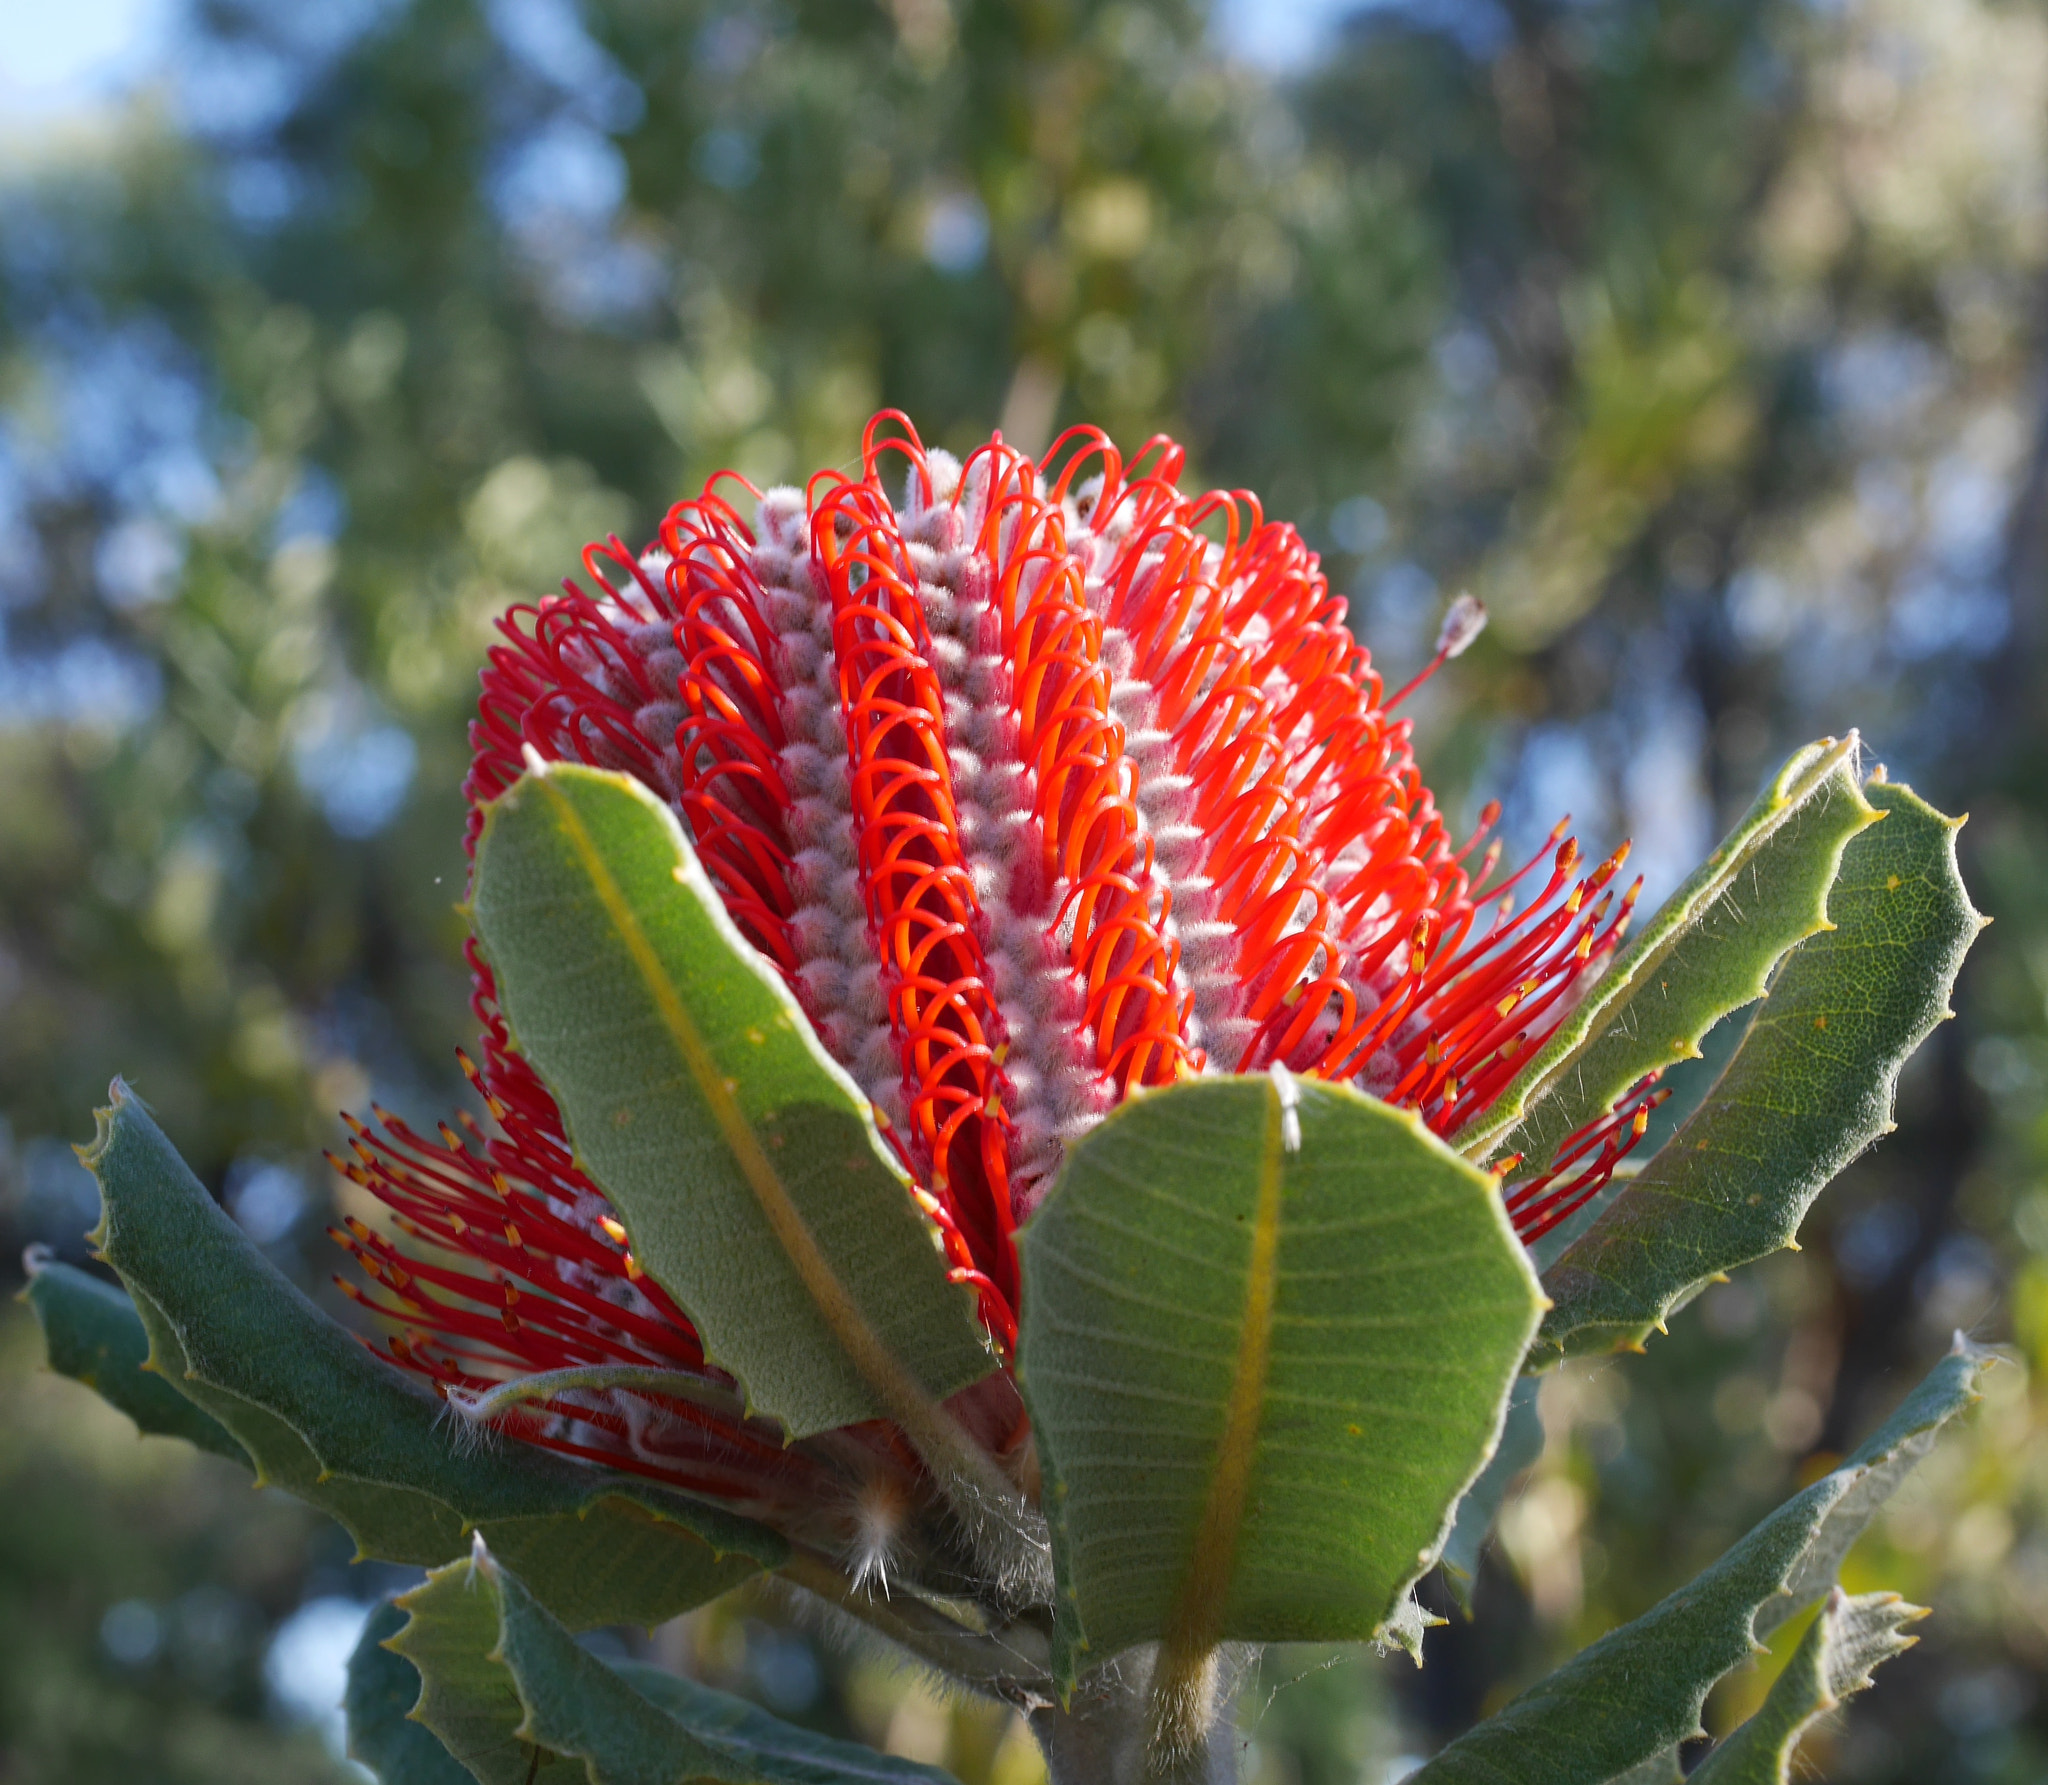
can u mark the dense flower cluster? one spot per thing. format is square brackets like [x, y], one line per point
[1039, 784]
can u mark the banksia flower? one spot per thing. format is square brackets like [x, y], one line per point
[1039, 784]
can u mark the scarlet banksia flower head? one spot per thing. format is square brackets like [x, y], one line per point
[1039, 784]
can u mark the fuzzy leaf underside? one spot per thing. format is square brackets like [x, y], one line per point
[92, 1334]
[1659, 1769]
[1708, 950]
[506, 1689]
[382, 1689]
[1260, 1378]
[1616, 1709]
[1808, 1089]
[319, 1415]
[1834, 1659]
[742, 1159]
[1521, 1443]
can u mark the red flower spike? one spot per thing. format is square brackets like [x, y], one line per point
[1038, 783]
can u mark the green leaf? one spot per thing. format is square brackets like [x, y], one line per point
[92, 1334]
[467, 1696]
[1269, 1332]
[1834, 1659]
[1659, 1769]
[318, 1414]
[382, 1734]
[742, 1159]
[1635, 1694]
[1521, 1443]
[505, 1687]
[1708, 950]
[1808, 1089]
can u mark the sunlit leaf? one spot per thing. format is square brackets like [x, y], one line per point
[1269, 1334]
[1808, 1089]
[742, 1159]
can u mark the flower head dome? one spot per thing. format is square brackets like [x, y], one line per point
[1039, 784]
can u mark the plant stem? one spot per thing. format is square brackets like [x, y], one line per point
[1010, 1667]
[1105, 1735]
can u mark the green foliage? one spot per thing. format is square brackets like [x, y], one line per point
[1852, 1636]
[680, 1062]
[1637, 1692]
[383, 1687]
[92, 1334]
[505, 1688]
[1236, 1305]
[467, 1699]
[1709, 950]
[1808, 1089]
[321, 1416]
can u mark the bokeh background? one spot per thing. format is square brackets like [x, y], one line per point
[1703, 339]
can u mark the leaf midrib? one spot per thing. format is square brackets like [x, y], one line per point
[1513, 1108]
[848, 1325]
[1195, 1624]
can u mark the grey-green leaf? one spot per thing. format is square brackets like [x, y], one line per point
[742, 1159]
[1636, 1694]
[1850, 1637]
[92, 1334]
[382, 1689]
[318, 1414]
[1808, 1089]
[507, 1689]
[1269, 1332]
[1709, 950]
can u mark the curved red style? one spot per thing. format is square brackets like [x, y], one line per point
[1038, 783]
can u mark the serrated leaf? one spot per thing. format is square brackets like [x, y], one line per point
[467, 1697]
[92, 1334]
[1808, 1089]
[1261, 1375]
[382, 1689]
[1834, 1659]
[742, 1159]
[505, 1687]
[1521, 1443]
[1708, 950]
[1635, 1694]
[318, 1415]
